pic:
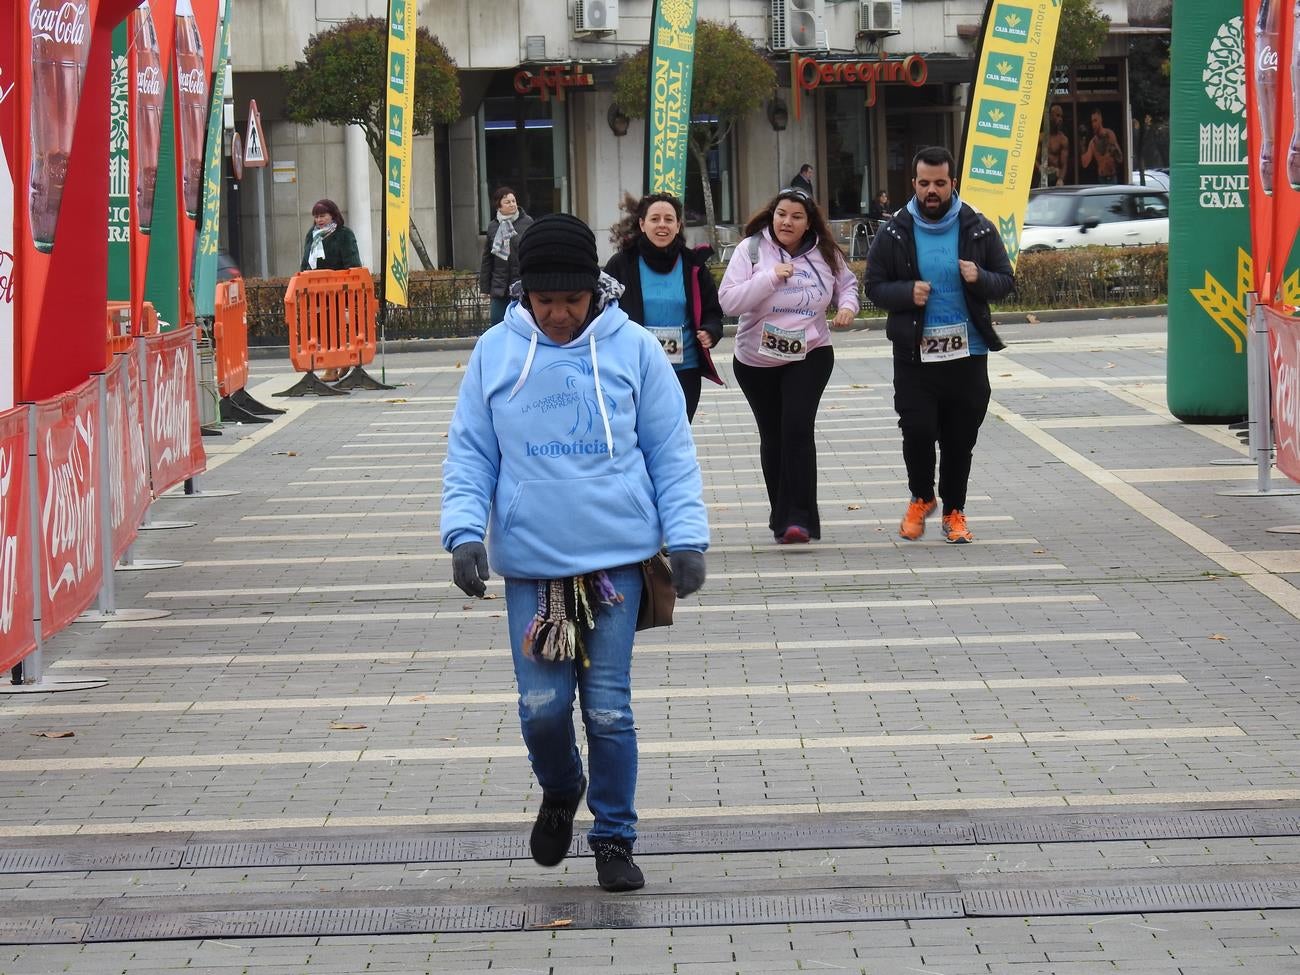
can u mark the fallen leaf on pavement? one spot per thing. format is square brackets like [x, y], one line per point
[450, 738]
[1109, 365]
[559, 922]
[982, 738]
[1032, 319]
[855, 507]
[1218, 636]
[1040, 551]
[858, 386]
[490, 595]
[419, 697]
[54, 734]
[345, 726]
[285, 453]
[395, 400]
[1131, 697]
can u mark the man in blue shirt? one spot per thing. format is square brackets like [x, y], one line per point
[935, 267]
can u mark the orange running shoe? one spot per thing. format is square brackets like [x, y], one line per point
[955, 531]
[913, 524]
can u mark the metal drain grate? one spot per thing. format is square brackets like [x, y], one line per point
[1164, 826]
[41, 930]
[678, 912]
[291, 923]
[59, 861]
[730, 839]
[1132, 899]
[446, 848]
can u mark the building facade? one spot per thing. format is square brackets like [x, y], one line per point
[861, 85]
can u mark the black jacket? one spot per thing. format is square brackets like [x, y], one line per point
[340, 251]
[701, 294]
[892, 270]
[495, 275]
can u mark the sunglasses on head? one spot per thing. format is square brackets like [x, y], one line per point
[794, 193]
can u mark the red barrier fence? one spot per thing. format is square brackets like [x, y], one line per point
[1284, 364]
[17, 632]
[230, 334]
[68, 482]
[331, 319]
[175, 436]
[128, 459]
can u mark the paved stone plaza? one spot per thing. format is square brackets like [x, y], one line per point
[1064, 749]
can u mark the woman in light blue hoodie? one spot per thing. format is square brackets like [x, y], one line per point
[570, 451]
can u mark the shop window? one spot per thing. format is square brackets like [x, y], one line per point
[848, 154]
[722, 182]
[523, 143]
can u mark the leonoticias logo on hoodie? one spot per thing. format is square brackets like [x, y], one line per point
[573, 404]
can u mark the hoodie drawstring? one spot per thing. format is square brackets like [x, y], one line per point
[528, 364]
[600, 394]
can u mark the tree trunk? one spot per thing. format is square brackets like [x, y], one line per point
[373, 139]
[702, 163]
[417, 242]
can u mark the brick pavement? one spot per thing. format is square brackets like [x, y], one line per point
[1077, 582]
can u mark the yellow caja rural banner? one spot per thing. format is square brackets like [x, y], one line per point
[398, 108]
[1013, 71]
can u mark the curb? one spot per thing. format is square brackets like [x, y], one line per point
[859, 325]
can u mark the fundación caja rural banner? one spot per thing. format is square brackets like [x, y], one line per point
[1013, 68]
[668, 93]
[399, 107]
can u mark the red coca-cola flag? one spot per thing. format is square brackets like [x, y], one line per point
[17, 603]
[8, 152]
[1261, 109]
[61, 131]
[1284, 363]
[128, 476]
[67, 468]
[196, 36]
[1285, 148]
[175, 437]
[151, 28]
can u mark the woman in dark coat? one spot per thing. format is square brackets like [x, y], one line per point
[329, 246]
[500, 267]
[668, 289]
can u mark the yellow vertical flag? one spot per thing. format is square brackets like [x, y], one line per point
[1013, 74]
[398, 109]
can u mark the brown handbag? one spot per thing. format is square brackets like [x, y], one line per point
[657, 593]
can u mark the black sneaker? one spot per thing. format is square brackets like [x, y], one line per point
[615, 868]
[553, 830]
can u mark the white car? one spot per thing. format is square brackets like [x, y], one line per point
[1079, 216]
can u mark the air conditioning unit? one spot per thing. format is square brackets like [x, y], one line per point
[595, 15]
[880, 17]
[797, 25]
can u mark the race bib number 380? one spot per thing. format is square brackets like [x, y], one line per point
[782, 343]
[940, 343]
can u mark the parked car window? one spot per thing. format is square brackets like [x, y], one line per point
[1152, 207]
[1050, 210]
[1105, 208]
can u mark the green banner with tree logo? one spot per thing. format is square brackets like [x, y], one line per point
[205, 252]
[668, 92]
[1209, 225]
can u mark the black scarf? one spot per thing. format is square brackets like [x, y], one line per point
[659, 261]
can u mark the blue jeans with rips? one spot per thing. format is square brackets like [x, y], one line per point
[604, 690]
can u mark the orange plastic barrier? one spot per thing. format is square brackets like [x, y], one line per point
[230, 333]
[331, 319]
[121, 330]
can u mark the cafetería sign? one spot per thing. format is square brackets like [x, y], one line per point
[808, 73]
[553, 79]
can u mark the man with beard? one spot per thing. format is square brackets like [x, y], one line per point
[935, 267]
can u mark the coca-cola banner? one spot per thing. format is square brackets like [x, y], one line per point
[196, 29]
[128, 475]
[1281, 149]
[61, 126]
[1260, 40]
[8, 86]
[152, 29]
[67, 469]
[17, 634]
[1284, 362]
[175, 437]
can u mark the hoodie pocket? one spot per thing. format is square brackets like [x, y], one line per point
[593, 514]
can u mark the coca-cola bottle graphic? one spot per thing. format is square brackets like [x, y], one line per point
[60, 46]
[192, 104]
[147, 119]
[1266, 87]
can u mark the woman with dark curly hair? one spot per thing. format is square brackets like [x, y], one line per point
[667, 288]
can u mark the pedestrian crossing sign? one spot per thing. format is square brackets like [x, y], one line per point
[254, 140]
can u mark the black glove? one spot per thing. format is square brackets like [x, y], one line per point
[469, 568]
[688, 571]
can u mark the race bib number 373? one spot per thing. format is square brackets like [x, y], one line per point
[671, 340]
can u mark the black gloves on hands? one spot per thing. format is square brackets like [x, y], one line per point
[688, 571]
[469, 568]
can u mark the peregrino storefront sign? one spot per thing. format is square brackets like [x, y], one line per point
[553, 79]
[809, 74]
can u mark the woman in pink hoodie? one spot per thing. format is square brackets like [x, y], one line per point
[780, 281]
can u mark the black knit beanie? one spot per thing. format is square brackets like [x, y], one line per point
[558, 253]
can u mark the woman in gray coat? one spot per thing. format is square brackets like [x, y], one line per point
[500, 266]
